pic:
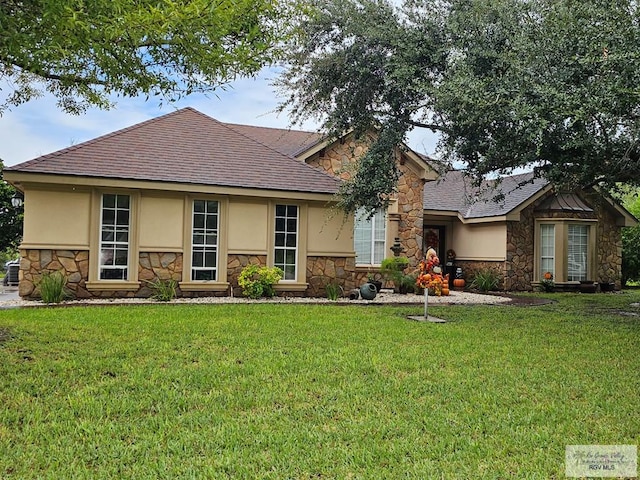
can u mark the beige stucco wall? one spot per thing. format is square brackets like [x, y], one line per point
[57, 218]
[480, 241]
[329, 232]
[161, 220]
[248, 226]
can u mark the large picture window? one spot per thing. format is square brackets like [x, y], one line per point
[286, 240]
[114, 236]
[369, 238]
[204, 240]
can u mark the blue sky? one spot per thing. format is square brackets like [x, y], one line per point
[40, 127]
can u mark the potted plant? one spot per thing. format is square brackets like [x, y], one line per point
[547, 284]
[407, 284]
[376, 280]
[392, 269]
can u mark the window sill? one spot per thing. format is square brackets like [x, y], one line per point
[291, 287]
[112, 285]
[204, 286]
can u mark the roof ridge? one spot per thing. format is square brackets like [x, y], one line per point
[232, 124]
[290, 157]
[71, 148]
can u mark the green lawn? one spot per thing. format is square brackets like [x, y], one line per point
[304, 391]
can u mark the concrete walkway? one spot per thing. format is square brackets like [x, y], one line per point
[8, 294]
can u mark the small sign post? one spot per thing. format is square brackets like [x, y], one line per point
[426, 303]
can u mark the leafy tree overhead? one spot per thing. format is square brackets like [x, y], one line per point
[82, 51]
[553, 86]
[10, 217]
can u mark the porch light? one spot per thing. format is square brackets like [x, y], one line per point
[16, 200]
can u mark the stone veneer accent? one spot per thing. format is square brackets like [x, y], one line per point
[324, 270]
[471, 267]
[339, 159]
[152, 265]
[609, 247]
[74, 265]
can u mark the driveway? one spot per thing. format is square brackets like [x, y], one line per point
[8, 294]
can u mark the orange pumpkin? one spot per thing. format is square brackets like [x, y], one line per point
[445, 291]
[458, 282]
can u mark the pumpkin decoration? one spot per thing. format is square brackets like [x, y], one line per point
[430, 276]
[458, 283]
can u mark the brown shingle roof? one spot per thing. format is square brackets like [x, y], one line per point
[289, 142]
[454, 192]
[185, 146]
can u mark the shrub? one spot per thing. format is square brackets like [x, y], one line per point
[333, 290]
[392, 268]
[407, 283]
[163, 290]
[53, 287]
[257, 281]
[486, 280]
[547, 284]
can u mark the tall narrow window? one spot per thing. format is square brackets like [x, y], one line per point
[578, 244]
[286, 241]
[114, 237]
[369, 238]
[204, 240]
[547, 249]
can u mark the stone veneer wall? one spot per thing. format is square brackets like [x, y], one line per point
[411, 209]
[323, 270]
[471, 267]
[518, 269]
[339, 159]
[74, 265]
[152, 265]
[609, 245]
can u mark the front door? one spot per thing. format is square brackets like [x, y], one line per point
[434, 238]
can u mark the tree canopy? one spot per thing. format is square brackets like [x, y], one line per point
[10, 216]
[82, 51]
[509, 84]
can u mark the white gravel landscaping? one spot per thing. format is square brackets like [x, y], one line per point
[383, 298]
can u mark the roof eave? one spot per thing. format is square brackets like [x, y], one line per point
[21, 179]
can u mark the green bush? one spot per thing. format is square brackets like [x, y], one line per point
[257, 281]
[393, 269]
[53, 287]
[163, 290]
[407, 284]
[486, 280]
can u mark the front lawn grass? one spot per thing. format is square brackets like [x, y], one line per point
[314, 391]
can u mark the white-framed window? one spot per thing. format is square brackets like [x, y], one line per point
[115, 228]
[566, 248]
[369, 238]
[547, 248]
[286, 240]
[204, 240]
[578, 251]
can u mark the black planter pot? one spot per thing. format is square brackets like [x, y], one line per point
[588, 286]
[607, 287]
